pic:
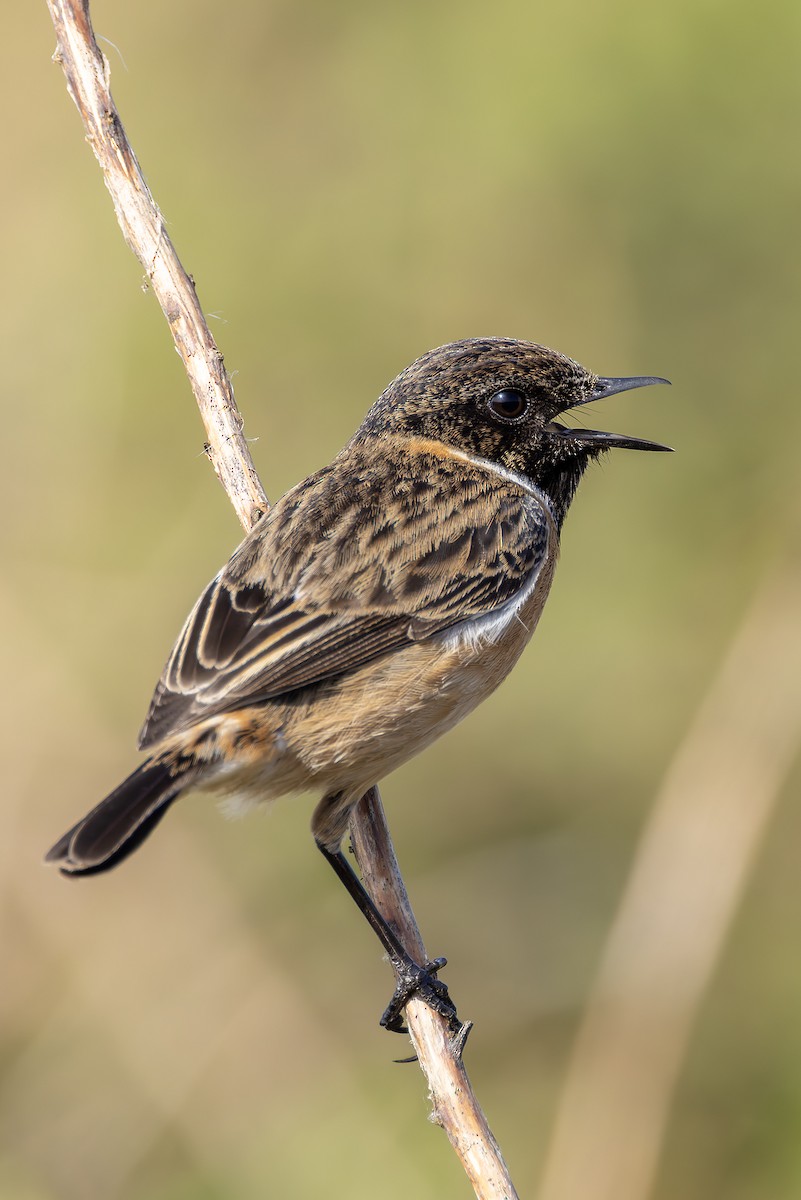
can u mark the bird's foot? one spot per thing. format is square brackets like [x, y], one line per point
[414, 980]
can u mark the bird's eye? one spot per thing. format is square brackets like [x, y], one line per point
[509, 405]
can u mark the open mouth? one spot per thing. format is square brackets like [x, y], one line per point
[598, 437]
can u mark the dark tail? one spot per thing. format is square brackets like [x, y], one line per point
[120, 823]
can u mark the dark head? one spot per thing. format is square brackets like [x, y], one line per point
[498, 399]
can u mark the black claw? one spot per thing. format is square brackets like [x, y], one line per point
[413, 980]
[434, 965]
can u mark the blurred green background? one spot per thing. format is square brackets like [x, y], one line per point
[351, 184]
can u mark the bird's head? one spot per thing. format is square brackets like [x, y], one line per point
[499, 399]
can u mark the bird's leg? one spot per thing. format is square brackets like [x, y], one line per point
[411, 979]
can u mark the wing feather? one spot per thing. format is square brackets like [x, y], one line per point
[346, 567]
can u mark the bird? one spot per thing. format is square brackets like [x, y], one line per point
[374, 606]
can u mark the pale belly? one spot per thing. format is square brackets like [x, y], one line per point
[346, 735]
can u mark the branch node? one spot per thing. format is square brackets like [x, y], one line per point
[459, 1039]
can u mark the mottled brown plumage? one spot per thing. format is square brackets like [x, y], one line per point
[377, 603]
[375, 574]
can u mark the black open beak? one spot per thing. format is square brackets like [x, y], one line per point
[601, 439]
[608, 387]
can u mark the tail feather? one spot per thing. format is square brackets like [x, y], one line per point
[119, 824]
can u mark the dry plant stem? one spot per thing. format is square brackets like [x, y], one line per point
[691, 868]
[143, 228]
[87, 73]
[454, 1104]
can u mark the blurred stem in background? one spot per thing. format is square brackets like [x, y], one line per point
[691, 869]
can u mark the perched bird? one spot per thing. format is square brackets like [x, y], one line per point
[374, 606]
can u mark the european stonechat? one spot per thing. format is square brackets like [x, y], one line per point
[374, 606]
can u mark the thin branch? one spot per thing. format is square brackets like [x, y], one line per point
[87, 73]
[142, 226]
[691, 868]
[455, 1106]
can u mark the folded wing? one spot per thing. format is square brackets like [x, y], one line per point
[350, 565]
